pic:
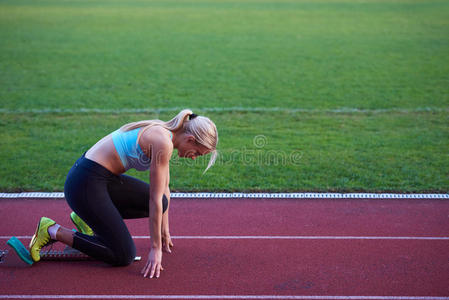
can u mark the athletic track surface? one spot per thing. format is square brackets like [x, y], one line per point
[254, 249]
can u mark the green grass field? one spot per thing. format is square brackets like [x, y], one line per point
[314, 95]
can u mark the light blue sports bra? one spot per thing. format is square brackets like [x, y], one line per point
[129, 150]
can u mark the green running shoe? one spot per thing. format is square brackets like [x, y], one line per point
[40, 238]
[80, 224]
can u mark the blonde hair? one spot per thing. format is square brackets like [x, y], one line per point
[202, 128]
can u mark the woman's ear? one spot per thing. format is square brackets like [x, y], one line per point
[191, 138]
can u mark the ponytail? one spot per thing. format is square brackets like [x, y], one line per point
[172, 125]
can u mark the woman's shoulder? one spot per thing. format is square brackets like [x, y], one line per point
[156, 135]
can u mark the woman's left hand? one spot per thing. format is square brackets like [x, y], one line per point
[166, 242]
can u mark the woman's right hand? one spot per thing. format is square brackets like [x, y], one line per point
[153, 267]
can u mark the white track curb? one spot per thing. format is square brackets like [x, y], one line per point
[260, 195]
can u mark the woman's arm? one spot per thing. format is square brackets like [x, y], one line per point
[159, 170]
[166, 239]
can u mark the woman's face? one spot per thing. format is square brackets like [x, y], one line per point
[189, 148]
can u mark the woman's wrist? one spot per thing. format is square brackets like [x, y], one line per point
[156, 246]
[156, 243]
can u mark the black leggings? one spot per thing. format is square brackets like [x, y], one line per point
[103, 199]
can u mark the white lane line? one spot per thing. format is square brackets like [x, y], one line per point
[259, 195]
[341, 110]
[221, 297]
[279, 237]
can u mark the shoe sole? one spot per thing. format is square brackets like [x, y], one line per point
[34, 239]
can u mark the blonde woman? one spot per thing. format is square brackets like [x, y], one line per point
[101, 196]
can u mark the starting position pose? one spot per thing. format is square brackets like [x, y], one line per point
[101, 196]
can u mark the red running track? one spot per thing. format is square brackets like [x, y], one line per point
[268, 248]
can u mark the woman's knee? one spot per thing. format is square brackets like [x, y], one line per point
[125, 256]
[122, 251]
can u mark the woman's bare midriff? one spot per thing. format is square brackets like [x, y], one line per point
[104, 153]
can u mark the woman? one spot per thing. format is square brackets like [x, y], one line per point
[101, 196]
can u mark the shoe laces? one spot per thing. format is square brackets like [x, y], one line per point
[45, 240]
